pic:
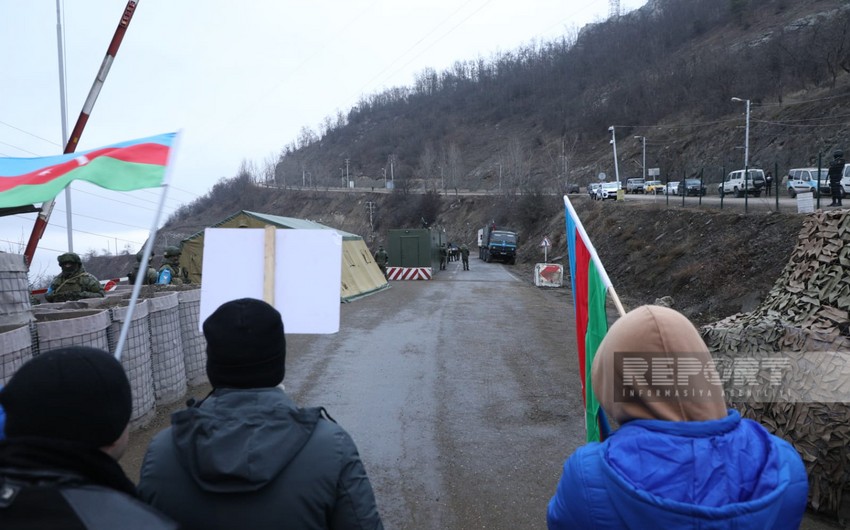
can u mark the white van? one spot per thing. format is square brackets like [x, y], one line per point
[736, 184]
[845, 181]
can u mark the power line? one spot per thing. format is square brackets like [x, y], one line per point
[29, 133]
[20, 148]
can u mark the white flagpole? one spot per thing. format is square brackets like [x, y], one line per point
[143, 266]
[594, 256]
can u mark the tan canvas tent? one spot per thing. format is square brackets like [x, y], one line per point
[360, 273]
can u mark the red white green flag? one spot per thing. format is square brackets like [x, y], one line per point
[124, 166]
[590, 285]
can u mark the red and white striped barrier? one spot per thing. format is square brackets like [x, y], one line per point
[409, 273]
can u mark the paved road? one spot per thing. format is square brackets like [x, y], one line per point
[460, 393]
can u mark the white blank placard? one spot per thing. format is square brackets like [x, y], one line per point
[308, 272]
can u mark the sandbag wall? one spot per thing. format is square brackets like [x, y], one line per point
[806, 312]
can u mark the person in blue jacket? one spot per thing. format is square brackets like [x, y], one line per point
[675, 461]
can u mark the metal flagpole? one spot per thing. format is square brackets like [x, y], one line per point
[143, 267]
[47, 207]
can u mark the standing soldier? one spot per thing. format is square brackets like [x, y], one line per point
[464, 255]
[74, 283]
[382, 259]
[836, 171]
[171, 273]
[443, 256]
[150, 277]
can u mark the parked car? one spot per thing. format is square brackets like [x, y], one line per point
[845, 182]
[805, 180]
[672, 188]
[693, 187]
[607, 190]
[591, 189]
[653, 186]
[634, 185]
[573, 187]
[736, 184]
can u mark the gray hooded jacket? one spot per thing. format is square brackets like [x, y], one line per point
[252, 459]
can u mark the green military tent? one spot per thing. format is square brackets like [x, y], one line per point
[360, 273]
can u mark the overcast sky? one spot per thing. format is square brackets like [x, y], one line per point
[238, 78]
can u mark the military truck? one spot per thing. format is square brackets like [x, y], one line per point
[497, 244]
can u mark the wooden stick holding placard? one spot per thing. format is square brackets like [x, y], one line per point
[268, 265]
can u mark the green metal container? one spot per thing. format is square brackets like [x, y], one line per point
[415, 247]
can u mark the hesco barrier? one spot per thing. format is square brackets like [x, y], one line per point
[56, 328]
[14, 291]
[15, 349]
[169, 369]
[136, 358]
[194, 343]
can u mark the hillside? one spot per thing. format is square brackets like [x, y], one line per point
[523, 124]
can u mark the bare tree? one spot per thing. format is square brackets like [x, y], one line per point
[454, 163]
[427, 161]
[516, 164]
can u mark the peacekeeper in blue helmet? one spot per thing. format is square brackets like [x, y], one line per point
[171, 272]
[74, 283]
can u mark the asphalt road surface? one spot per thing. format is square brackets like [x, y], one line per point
[460, 392]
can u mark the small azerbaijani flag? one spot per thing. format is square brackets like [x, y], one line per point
[124, 166]
[590, 284]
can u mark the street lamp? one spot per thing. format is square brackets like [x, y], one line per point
[643, 139]
[614, 143]
[746, 133]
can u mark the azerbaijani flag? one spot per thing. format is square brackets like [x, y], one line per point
[590, 285]
[124, 166]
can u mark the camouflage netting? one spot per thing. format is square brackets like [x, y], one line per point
[808, 310]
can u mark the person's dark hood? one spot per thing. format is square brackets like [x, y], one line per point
[240, 440]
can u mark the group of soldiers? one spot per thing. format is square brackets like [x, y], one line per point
[74, 283]
[451, 252]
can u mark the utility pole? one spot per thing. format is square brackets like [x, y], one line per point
[347, 181]
[614, 143]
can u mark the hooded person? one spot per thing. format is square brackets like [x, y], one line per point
[246, 456]
[67, 415]
[680, 460]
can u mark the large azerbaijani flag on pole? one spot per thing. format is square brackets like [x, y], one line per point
[590, 284]
[124, 166]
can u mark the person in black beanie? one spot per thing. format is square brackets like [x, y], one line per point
[246, 456]
[67, 424]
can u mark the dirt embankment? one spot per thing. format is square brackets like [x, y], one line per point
[712, 263]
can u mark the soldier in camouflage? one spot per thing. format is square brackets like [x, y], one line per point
[171, 273]
[149, 278]
[74, 283]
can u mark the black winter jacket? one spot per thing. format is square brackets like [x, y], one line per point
[53, 484]
[836, 170]
[252, 459]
